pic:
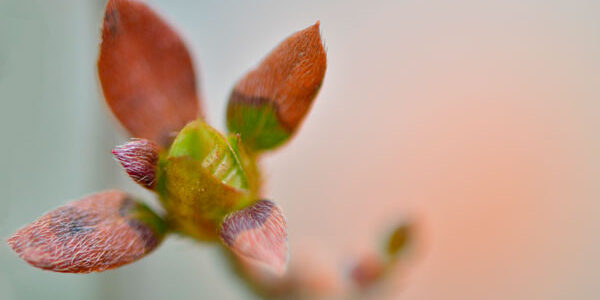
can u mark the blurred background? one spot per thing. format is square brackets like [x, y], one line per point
[477, 119]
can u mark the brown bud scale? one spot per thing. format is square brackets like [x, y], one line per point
[146, 72]
[258, 233]
[96, 233]
[139, 158]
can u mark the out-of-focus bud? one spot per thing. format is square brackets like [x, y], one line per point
[399, 239]
[258, 233]
[99, 232]
[139, 158]
[367, 270]
[268, 104]
[372, 268]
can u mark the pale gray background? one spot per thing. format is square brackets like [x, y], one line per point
[479, 117]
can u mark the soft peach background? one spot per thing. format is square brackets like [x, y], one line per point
[479, 119]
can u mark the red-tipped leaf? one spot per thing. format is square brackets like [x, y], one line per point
[268, 104]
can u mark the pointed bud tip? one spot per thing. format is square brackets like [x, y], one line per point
[11, 241]
[316, 26]
[314, 31]
[139, 158]
[258, 233]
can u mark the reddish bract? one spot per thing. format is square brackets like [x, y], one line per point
[139, 158]
[96, 233]
[146, 72]
[258, 233]
[288, 78]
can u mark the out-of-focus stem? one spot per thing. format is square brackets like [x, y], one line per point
[366, 279]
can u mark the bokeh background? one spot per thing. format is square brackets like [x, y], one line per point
[477, 119]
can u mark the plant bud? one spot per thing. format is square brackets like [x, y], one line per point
[139, 158]
[398, 240]
[201, 180]
[99, 232]
[258, 233]
[367, 270]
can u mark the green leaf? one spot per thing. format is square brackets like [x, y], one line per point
[257, 125]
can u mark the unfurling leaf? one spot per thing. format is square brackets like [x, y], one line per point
[99, 232]
[201, 180]
[203, 143]
[139, 158]
[258, 233]
[268, 104]
[146, 72]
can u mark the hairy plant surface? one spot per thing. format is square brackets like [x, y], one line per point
[208, 182]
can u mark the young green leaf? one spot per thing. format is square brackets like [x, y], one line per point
[146, 72]
[268, 104]
[201, 180]
[99, 232]
[203, 143]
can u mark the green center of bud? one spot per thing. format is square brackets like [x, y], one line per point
[202, 178]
